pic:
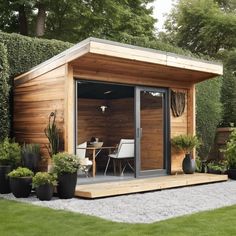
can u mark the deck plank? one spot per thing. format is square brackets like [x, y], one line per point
[145, 185]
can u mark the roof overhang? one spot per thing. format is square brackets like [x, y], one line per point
[113, 57]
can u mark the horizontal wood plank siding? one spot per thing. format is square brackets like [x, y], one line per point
[179, 125]
[33, 102]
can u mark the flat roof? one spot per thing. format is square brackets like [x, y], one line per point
[113, 49]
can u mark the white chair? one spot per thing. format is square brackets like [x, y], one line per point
[85, 163]
[125, 152]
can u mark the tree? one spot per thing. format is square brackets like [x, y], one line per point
[202, 26]
[73, 20]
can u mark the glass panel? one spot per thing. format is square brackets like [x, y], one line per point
[152, 125]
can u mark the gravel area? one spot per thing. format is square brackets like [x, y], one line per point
[147, 207]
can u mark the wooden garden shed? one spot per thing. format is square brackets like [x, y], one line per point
[136, 87]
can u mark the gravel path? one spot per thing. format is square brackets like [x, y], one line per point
[147, 207]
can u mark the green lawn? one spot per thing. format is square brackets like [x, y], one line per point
[24, 219]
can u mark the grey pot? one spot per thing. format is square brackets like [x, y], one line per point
[188, 164]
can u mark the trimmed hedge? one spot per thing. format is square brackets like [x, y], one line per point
[25, 52]
[209, 112]
[4, 93]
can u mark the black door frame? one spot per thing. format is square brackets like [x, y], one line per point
[138, 132]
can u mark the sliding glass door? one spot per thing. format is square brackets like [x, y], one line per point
[152, 129]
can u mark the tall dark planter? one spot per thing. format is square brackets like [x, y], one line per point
[188, 164]
[4, 179]
[21, 186]
[232, 173]
[30, 161]
[44, 192]
[66, 185]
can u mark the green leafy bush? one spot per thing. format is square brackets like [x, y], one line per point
[65, 163]
[42, 178]
[185, 143]
[230, 151]
[21, 172]
[4, 94]
[198, 162]
[10, 153]
[217, 166]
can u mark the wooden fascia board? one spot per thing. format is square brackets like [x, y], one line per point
[156, 57]
[52, 64]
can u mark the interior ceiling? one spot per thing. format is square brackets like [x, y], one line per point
[104, 91]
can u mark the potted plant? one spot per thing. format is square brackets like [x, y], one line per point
[65, 166]
[186, 143]
[21, 182]
[44, 183]
[30, 156]
[9, 159]
[230, 154]
[216, 168]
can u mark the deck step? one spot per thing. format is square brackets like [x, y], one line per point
[144, 185]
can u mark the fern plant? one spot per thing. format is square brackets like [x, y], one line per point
[185, 143]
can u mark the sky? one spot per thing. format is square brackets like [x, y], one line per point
[161, 7]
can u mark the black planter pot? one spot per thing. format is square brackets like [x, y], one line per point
[232, 173]
[4, 179]
[66, 185]
[44, 192]
[30, 161]
[188, 164]
[21, 186]
[211, 171]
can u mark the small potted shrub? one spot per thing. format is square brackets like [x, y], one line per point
[44, 183]
[21, 182]
[230, 154]
[9, 159]
[186, 143]
[66, 166]
[31, 156]
[216, 168]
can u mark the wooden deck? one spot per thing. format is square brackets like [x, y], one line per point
[145, 185]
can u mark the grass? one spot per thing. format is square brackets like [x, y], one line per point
[24, 219]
